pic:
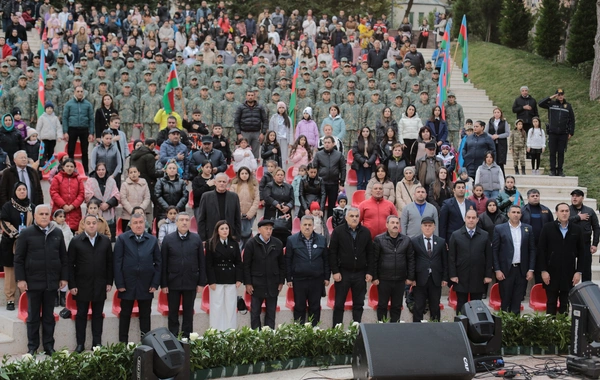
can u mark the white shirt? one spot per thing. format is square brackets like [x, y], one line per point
[92, 239]
[516, 238]
[463, 208]
[430, 239]
[24, 177]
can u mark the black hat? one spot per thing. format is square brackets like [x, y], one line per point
[16, 111]
[560, 91]
[430, 145]
[577, 192]
[207, 139]
[427, 219]
[266, 222]
[174, 130]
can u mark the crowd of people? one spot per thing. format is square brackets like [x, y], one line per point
[438, 208]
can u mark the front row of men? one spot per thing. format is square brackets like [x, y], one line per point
[391, 261]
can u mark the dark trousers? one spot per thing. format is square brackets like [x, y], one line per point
[394, 290]
[310, 291]
[331, 191]
[422, 41]
[125, 318]
[186, 298]
[354, 281]
[81, 322]
[363, 175]
[586, 265]
[40, 300]
[556, 295]
[536, 155]
[463, 298]
[429, 292]
[512, 289]
[81, 134]
[557, 145]
[256, 308]
[49, 146]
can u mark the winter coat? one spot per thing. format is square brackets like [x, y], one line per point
[311, 190]
[137, 266]
[338, 125]
[394, 261]
[49, 127]
[169, 151]
[224, 264]
[302, 266]
[110, 156]
[396, 169]
[183, 263]
[199, 187]
[170, 192]
[134, 194]
[250, 119]
[41, 258]
[144, 160]
[78, 114]
[381, 128]
[215, 156]
[10, 141]
[349, 254]
[90, 267]
[561, 118]
[474, 150]
[239, 159]
[262, 184]
[110, 194]
[389, 190]
[486, 223]
[68, 190]
[267, 153]
[536, 138]
[210, 215]
[332, 166]
[504, 201]
[309, 129]
[360, 158]
[373, 214]
[523, 114]
[557, 255]
[10, 177]
[404, 192]
[248, 201]
[278, 194]
[408, 128]
[490, 176]
[264, 266]
[470, 259]
[441, 132]
[501, 142]
[480, 204]
[298, 158]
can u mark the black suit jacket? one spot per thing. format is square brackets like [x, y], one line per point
[503, 248]
[438, 262]
[450, 217]
[10, 176]
[209, 214]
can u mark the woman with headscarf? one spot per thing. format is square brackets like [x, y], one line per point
[11, 140]
[281, 123]
[104, 189]
[492, 216]
[15, 216]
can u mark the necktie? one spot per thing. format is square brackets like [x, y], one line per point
[471, 233]
[22, 175]
[429, 251]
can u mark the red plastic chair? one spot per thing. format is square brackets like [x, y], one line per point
[205, 305]
[289, 177]
[331, 298]
[350, 158]
[72, 307]
[295, 225]
[260, 172]
[22, 312]
[163, 304]
[373, 299]
[77, 150]
[358, 197]
[289, 299]
[351, 178]
[191, 199]
[537, 298]
[80, 170]
[1, 274]
[248, 300]
[230, 173]
[495, 300]
[116, 307]
[119, 227]
[329, 224]
[193, 225]
[130, 146]
[154, 228]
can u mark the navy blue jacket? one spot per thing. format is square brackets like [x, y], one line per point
[301, 266]
[137, 266]
[450, 217]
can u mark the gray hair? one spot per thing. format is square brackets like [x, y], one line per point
[307, 217]
[390, 217]
[524, 88]
[137, 216]
[47, 206]
[19, 151]
[353, 209]
[183, 213]
[221, 175]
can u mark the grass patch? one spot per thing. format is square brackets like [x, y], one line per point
[502, 71]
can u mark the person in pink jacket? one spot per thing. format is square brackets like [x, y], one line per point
[300, 154]
[308, 128]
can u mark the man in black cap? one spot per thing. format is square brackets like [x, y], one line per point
[343, 50]
[173, 148]
[587, 219]
[264, 273]
[427, 166]
[525, 108]
[431, 270]
[207, 152]
[560, 129]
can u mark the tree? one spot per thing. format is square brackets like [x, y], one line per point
[408, 8]
[549, 28]
[580, 47]
[489, 12]
[460, 8]
[595, 81]
[515, 24]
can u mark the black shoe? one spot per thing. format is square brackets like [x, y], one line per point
[561, 173]
[552, 173]
[56, 299]
[80, 348]
[10, 306]
[31, 352]
[63, 299]
[49, 350]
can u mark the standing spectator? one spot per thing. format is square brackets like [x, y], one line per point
[408, 132]
[490, 176]
[518, 142]
[440, 28]
[219, 204]
[173, 150]
[413, 213]
[560, 252]
[343, 50]
[50, 129]
[183, 273]
[416, 58]
[499, 130]
[455, 118]
[525, 108]
[37, 245]
[491, 217]
[264, 273]
[208, 152]
[452, 214]
[352, 265]
[11, 140]
[469, 260]
[375, 210]
[513, 248]
[381, 176]
[536, 144]
[137, 272]
[134, 193]
[170, 190]
[21, 172]
[108, 154]
[78, 123]
[586, 218]
[90, 278]
[510, 195]
[311, 189]
[225, 274]
[279, 203]
[307, 270]
[144, 159]
[427, 166]
[202, 183]
[251, 122]
[282, 125]
[441, 189]
[332, 168]
[394, 267]
[67, 193]
[245, 186]
[364, 151]
[406, 187]
[536, 214]
[431, 270]
[423, 35]
[103, 188]
[376, 56]
[476, 147]
[561, 127]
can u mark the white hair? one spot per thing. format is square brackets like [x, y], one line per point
[19, 151]
[47, 206]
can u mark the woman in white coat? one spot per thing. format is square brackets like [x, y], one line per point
[408, 132]
[282, 125]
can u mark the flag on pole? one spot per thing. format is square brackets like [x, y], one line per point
[442, 90]
[50, 164]
[42, 150]
[292, 106]
[41, 84]
[169, 94]
[464, 45]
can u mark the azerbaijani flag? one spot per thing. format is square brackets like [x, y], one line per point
[292, 106]
[50, 164]
[464, 45]
[42, 150]
[442, 90]
[169, 95]
[41, 84]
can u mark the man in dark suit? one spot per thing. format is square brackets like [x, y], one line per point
[23, 173]
[513, 248]
[452, 214]
[469, 260]
[431, 270]
[264, 273]
[219, 204]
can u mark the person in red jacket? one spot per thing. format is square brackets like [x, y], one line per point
[375, 210]
[67, 193]
[5, 50]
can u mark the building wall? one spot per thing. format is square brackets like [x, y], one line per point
[418, 11]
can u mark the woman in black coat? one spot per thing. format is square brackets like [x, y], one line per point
[312, 189]
[489, 219]
[202, 183]
[279, 203]
[16, 214]
[499, 130]
[170, 190]
[103, 115]
[365, 153]
[11, 140]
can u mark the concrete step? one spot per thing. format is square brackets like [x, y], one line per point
[544, 180]
[546, 191]
[511, 170]
[551, 202]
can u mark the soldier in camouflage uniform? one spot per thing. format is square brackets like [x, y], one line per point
[332, 91]
[372, 111]
[118, 86]
[63, 69]
[264, 93]
[96, 97]
[311, 87]
[239, 64]
[24, 98]
[134, 74]
[424, 107]
[389, 95]
[455, 118]
[239, 88]
[118, 63]
[220, 74]
[320, 66]
[53, 94]
[431, 85]
[192, 90]
[398, 107]
[426, 72]
[227, 108]
[142, 87]
[127, 105]
[362, 72]
[383, 71]
[199, 73]
[341, 80]
[138, 62]
[206, 105]
[271, 107]
[150, 101]
[217, 92]
[93, 63]
[86, 72]
[302, 101]
[112, 74]
[285, 92]
[409, 80]
[414, 95]
[321, 81]
[32, 80]
[403, 72]
[365, 94]
[321, 109]
[365, 83]
[351, 111]
[101, 76]
[350, 87]
[14, 70]
[70, 92]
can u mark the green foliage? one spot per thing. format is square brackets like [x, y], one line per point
[483, 18]
[536, 330]
[580, 47]
[549, 28]
[459, 9]
[515, 24]
[431, 19]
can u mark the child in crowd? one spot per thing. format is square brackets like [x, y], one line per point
[328, 131]
[339, 212]
[296, 186]
[19, 123]
[59, 221]
[479, 199]
[271, 149]
[448, 157]
[167, 225]
[221, 142]
[463, 175]
[49, 129]
[93, 208]
[308, 128]
[32, 147]
[518, 144]
[300, 154]
[536, 144]
[266, 179]
[243, 156]
[315, 210]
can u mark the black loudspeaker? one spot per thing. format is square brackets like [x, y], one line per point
[161, 356]
[412, 351]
